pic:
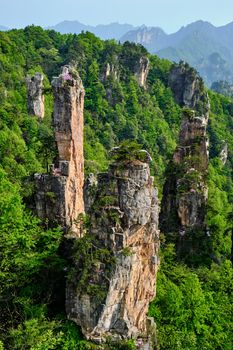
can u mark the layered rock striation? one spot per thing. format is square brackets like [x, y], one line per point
[185, 190]
[114, 280]
[35, 95]
[59, 195]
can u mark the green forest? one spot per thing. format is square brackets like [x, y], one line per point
[193, 308]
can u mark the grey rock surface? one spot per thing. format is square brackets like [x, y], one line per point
[185, 191]
[35, 95]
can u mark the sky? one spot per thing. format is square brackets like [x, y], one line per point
[167, 14]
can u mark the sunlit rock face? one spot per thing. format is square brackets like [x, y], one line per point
[35, 95]
[124, 225]
[65, 183]
[113, 277]
[143, 71]
[185, 190]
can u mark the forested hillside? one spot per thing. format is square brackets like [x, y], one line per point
[201, 44]
[193, 306]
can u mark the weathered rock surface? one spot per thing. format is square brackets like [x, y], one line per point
[114, 273]
[65, 183]
[142, 71]
[35, 95]
[110, 70]
[139, 67]
[188, 88]
[113, 297]
[185, 190]
[224, 153]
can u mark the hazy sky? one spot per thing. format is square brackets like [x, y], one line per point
[168, 14]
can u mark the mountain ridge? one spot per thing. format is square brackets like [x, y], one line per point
[113, 30]
[208, 48]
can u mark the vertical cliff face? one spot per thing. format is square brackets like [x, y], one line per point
[115, 256]
[114, 280]
[35, 95]
[224, 153]
[110, 70]
[139, 67]
[185, 191]
[60, 194]
[142, 71]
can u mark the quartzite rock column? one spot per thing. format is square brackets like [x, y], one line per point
[59, 196]
[114, 278]
[185, 191]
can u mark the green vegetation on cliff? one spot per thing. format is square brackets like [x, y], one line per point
[193, 305]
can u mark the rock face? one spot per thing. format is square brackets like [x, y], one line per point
[185, 190]
[142, 71]
[35, 95]
[224, 153]
[115, 256]
[139, 67]
[111, 298]
[60, 195]
[110, 70]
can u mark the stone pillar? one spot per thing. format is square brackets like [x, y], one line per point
[111, 297]
[185, 196]
[35, 95]
[67, 178]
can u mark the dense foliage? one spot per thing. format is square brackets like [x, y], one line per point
[193, 307]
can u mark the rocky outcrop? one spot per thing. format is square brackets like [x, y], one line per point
[224, 153]
[139, 67]
[116, 243]
[110, 70]
[35, 95]
[116, 263]
[142, 71]
[59, 196]
[185, 190]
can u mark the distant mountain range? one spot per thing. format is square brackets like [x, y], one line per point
[104, 31]
[207, 48]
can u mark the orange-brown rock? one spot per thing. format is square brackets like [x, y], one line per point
[124, 225]
[67, 178]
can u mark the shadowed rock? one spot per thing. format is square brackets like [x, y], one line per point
[185, 191]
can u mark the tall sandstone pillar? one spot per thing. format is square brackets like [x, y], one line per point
[183, 214]
[60, 194]
[114, 279]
